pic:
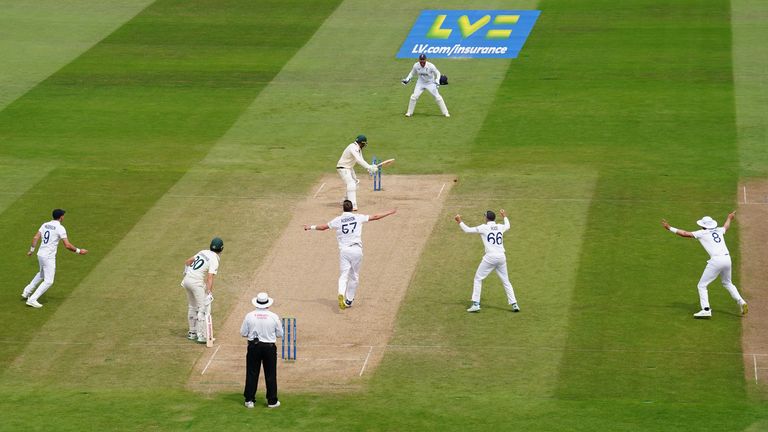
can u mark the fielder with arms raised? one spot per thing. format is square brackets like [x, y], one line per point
[353, 154]
[50, 232]
[199, 271]
[719, 264]
[494, 258]
[349, 232]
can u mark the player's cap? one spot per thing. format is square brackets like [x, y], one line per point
[422, 56]
[491, 216]
[361, 139]
[58, 213]
[262, 300]
[217, 244]
[707, 222]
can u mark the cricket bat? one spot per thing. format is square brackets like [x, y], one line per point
[208, 327]
[385, 163]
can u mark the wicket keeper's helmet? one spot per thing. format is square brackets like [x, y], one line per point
[362, 140]
[217, 244]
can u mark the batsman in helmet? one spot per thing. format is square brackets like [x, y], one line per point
[352, 155]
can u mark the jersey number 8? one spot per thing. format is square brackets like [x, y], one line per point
[497, 238]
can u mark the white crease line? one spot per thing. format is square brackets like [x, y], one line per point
[210, 360]
[318, 190]
[366, 361]
[745, 194]
[754, 358]
[441, 191]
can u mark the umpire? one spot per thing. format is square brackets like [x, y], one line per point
[262, 328]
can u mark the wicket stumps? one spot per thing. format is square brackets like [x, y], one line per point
[376, 175]
[289, 338]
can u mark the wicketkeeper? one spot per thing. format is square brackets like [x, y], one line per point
[429, 80]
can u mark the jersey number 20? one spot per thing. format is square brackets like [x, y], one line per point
[198, 263]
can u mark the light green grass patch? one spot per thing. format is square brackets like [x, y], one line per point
[39, 37]
[750, 77]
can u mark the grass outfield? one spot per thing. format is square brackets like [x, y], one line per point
[195, 118]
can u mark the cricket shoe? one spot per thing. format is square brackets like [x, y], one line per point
[191, 335]
[447, 115]
[408, 115]
[342, 303]
[348, 303]
[274, 405]
[24, 295]
[201, 340]
[34, 304]
[474, 308]
[744, 308]
[515, 307]
[249, 404]
[703, 314]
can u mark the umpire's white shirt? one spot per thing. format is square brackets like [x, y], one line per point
[713, 241]
[206, 261]
[349, 229]
[262, 324]
[352, 155]
[492, 235]
[428, 74]
[50, 234]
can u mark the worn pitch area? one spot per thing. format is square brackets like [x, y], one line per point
[751, 216]
[336, 349]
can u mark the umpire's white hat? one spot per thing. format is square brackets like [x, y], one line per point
[262, 300]
[707, 222]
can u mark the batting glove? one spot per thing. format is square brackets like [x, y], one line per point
[374, 169]
[405, 81]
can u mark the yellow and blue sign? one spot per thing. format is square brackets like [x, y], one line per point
[469, 33]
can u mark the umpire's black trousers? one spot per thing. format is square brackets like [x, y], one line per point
[261, 353]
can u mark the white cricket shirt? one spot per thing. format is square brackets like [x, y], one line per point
[50, 234]
[263, 325]
[492, 235]
[349, 228]
[428, 74]
[206, 261]
[351, 155]
[713, 241]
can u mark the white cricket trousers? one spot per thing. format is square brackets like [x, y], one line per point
[45, 275]
[717, 266]
[350, 181]
[418, 90]
[350, 259]
[196, 309]
[488, 264]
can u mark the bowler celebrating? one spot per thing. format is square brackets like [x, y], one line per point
[349, 233]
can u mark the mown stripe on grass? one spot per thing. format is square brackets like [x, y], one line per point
[127, 119]
[37, 38]
[674, 145]
[750, 76]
